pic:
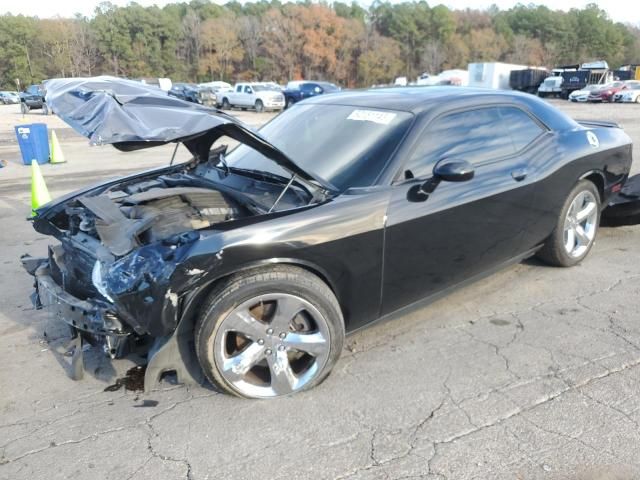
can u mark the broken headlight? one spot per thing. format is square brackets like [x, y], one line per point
[98, 281]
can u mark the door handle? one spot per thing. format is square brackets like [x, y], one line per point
[519, 174]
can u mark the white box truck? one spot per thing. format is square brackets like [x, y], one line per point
[492, 74]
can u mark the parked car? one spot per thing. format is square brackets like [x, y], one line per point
[9, 98]
[261, 259]
[629, 94]
[33, 99]
[306, 89]
[606, 92]
[259, 96]
[582, 94]
[193, 93]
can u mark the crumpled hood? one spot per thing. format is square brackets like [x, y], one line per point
[131, 115]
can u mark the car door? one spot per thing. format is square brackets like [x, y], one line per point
[248, 98]
[235, 97]
[460, 229]
[310, 90]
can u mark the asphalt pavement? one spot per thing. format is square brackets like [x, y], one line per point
[532, 373]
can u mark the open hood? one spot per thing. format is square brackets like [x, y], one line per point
[131, 115]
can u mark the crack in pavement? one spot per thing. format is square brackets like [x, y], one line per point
[147, 422]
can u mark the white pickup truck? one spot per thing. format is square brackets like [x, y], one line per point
[259, 96]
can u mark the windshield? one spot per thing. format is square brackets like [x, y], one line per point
[343, 145]
[329, 87]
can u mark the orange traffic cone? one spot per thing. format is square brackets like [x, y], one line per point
[39, 192]
[56, 151]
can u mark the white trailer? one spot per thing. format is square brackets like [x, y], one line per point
[492, 74]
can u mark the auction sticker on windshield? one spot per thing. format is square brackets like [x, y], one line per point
[383, 118]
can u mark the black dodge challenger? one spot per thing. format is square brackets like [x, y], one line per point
[249, 265]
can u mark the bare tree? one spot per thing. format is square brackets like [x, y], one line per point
[191, 31]
[250, 35]
[433, 56]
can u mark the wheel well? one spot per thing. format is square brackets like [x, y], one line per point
[189, 310]
[598, 181]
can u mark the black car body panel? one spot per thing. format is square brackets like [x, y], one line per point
[379, 247]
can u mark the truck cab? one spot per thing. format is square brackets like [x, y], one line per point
[255, 95]
[551, 86]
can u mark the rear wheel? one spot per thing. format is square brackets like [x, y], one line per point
[269, 333]
[576, 229]
[259, 106]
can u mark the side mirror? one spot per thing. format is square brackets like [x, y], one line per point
[453, 170]
[317, 90]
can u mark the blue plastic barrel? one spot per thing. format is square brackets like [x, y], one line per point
[34, 142]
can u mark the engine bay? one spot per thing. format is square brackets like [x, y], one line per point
[143, 210]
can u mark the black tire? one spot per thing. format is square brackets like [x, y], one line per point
[244, 286]
[553, 252]
[259, 106]
[24, 108]
[290, 103]
[225, 104]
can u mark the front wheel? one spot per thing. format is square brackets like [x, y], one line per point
[269, 333]
[576, 229]
[259, 106]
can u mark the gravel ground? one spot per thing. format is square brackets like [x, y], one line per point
[532, 373]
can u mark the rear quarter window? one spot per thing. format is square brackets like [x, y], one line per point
[522, 128]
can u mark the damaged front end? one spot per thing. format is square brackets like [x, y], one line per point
[121, 270]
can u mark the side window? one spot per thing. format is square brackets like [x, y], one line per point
[307, 87]
[247, 89]
[522, 127]
[239, 89]
[473, 135]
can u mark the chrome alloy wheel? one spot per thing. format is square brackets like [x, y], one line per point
[580, 224]
[271, 345]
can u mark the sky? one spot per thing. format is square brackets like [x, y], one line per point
[621, 11]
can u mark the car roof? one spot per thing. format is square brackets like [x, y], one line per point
[428, 101]
[414, 99]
